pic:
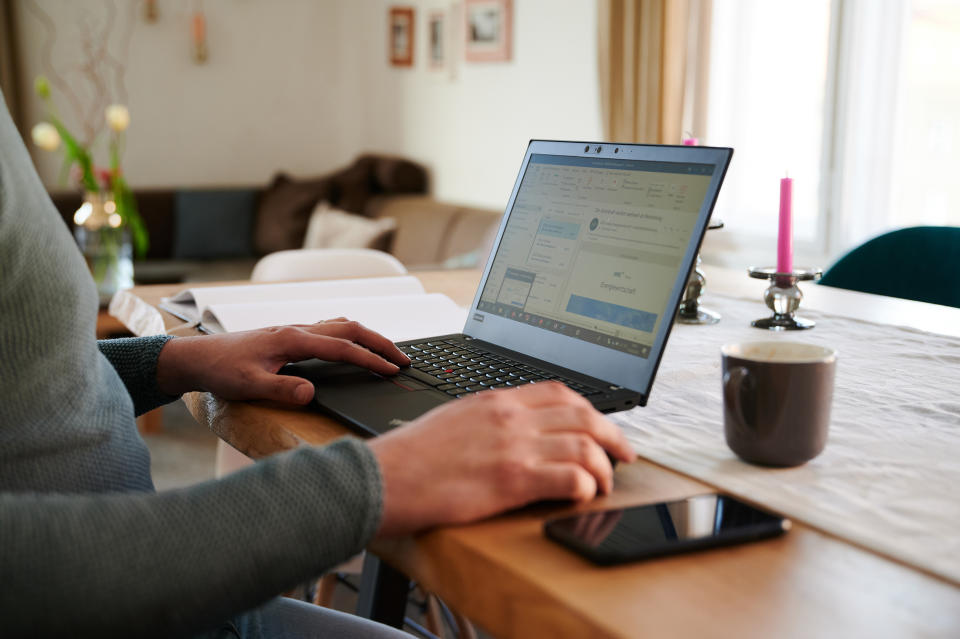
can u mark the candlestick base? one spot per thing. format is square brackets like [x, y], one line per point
[783, 297]
[690, 311]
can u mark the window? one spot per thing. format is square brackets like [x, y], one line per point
[926, 159]
[858, 101]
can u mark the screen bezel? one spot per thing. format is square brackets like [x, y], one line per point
[612, 366]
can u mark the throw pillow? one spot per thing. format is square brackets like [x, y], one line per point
[332, 228]
[285, 210]
[355, 184]
[397, 175]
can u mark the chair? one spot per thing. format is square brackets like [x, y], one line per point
[308, 264]
[325, 264]
[921, 263]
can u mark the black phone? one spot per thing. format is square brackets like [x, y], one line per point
[628, 534]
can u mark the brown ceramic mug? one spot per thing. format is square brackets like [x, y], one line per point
[776, 400]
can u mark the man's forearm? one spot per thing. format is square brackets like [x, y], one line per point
[183, 561]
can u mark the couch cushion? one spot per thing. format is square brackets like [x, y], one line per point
[156, 211]
[422, 226]
[473, 232]
[333, 228]
[213, 223]
[429, 232]
[285, 210]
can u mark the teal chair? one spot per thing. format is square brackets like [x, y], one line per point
[921, 263]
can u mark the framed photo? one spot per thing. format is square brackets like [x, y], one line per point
[488, 32]
[437, 39]
[401, 36]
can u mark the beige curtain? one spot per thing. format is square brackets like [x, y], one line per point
[8, 61]
[653, 64]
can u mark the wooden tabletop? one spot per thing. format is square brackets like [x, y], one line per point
[503, 574]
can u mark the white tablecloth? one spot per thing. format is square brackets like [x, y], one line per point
[889, 478]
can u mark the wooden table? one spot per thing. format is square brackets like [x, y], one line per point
[503, 574]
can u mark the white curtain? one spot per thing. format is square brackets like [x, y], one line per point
[653, 61]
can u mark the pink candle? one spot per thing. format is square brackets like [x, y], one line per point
[199, 28]
[691, 141]
[785, 237]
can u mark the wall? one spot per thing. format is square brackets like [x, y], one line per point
[267, 98]
[304, 85]
[472, 130]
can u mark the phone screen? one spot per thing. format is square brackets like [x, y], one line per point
[639, 532]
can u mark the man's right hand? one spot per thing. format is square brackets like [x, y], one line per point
[497, 450]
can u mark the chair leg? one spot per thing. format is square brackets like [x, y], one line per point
[432, 617]
[466, 629]
[151, 423]
[325, 587]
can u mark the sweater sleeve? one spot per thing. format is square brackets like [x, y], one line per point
[135, 360]
[183, 561]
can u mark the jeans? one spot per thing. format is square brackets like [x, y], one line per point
[283, 618]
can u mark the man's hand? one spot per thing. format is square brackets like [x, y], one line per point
[244, 365]
[495, 451]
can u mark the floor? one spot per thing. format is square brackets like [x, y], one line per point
[183, 454]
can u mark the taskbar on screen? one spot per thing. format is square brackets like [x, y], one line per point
[587, 335]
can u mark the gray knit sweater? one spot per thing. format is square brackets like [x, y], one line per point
[87, 547]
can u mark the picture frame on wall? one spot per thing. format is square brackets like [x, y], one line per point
[401, 36]
[437, 39]
[488, 30]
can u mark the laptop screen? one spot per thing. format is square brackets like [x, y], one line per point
[596, 249]
[593, 245]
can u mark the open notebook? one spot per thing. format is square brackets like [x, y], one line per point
[397, 307]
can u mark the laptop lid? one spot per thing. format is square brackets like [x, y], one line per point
[593, 253]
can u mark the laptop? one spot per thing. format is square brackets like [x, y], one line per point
[582, 286]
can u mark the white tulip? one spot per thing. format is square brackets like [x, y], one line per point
[45, 136]
[118, 117]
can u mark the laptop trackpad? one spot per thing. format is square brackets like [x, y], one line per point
[373, 402]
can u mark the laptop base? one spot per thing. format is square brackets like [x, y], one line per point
[374, 403]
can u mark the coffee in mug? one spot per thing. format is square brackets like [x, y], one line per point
[776, 400]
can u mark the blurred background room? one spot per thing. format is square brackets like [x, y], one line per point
[237, 128]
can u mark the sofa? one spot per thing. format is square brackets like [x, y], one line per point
[199, 234]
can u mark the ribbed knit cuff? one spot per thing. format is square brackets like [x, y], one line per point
[135, 360]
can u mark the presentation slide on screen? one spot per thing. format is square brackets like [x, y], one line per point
[593, 247]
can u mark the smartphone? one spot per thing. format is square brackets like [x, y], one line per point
[610, 537]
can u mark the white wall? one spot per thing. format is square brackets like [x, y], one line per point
[472, 130]
[304, 86]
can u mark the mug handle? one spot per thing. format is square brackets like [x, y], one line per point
[732, 388]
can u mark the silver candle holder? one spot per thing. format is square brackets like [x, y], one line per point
[690, 311]
[783, 297]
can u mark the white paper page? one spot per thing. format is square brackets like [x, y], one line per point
[188, 304]
[398, 317]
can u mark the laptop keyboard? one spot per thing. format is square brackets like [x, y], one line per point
[459, 369]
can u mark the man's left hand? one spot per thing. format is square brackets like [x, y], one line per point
[244, 365]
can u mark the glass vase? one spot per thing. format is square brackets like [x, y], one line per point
[105, 243]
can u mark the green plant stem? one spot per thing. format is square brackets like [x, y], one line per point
[74, 152]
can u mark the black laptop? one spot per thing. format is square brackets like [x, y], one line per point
[582, 286]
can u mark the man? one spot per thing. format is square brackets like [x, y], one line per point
[87, 547]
